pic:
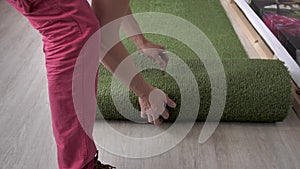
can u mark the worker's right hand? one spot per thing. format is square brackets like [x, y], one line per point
[153, 105]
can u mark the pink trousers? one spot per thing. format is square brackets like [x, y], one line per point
[65, 26]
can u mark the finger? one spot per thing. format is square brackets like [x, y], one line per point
[164, 57]
[163, 67]
[164, 60]
[160, 61]
[147, 54]
[171, 103]
[159, 56]
[157, 49]
[151, 52]
[162, 49]
[143, 114]
[165, 114]
[158, 121]
[162, 64]
[144, 107]
[150, 118]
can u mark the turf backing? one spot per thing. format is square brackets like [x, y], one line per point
[257, 90]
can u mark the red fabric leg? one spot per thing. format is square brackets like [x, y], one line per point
[65, 26]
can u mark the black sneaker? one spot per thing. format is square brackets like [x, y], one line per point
[99, 165]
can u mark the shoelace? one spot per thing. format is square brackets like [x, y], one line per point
[99, 165]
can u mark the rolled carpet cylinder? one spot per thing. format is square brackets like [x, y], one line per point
[257, 91]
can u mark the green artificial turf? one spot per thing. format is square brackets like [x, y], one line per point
[257, 90]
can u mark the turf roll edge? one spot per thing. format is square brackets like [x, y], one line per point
[257, 91]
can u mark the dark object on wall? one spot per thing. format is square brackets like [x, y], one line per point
[283, 19]
[288, 8]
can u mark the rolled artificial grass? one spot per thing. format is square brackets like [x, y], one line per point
[257, 90]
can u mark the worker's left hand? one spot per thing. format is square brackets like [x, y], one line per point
[155, 52]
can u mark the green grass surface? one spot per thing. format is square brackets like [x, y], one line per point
[257, 90]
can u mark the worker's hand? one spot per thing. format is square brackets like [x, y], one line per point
[154, 104]
[155, 52]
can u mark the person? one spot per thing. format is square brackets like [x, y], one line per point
[65, 26]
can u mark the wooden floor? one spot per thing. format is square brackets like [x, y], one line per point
[26, 136]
